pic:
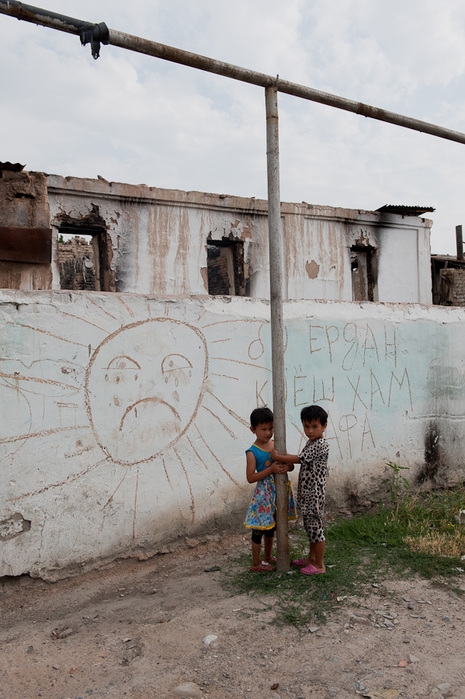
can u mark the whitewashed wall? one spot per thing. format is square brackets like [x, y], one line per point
[124, 418]
[399, 280]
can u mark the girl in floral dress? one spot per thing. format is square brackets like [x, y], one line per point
[260, 469]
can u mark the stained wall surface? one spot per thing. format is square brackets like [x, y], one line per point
[159, 237]
[124, 418]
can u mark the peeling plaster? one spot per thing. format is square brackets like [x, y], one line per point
[13, 526]
[313, 269]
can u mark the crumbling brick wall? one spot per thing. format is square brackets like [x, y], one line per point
[76, 264]
[24, 208]
[452, 287]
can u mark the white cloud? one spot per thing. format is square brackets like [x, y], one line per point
[138, 119]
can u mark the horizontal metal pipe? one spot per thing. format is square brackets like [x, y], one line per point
[44, 18]
[211, 65]
[89, 32]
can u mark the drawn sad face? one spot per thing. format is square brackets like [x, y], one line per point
[143, 387]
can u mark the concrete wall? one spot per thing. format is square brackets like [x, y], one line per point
[124, 418]
[159, 241]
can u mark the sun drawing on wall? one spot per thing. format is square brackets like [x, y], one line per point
[150, 403]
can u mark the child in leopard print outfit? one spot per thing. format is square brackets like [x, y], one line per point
[311, 490]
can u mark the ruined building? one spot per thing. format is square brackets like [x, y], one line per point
[135, 340]
[141, 239]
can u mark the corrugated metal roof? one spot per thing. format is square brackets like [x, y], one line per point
[403, 210]
[447, 261]
[13, 167]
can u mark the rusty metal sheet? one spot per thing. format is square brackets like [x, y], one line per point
[26, 244]
[11, 167]
[405, 210]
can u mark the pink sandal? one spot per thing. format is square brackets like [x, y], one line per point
[299, 562]
[311, 570]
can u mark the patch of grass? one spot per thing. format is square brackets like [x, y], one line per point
[433, 522]
[417, 535]
[396, 544]
[440, 544]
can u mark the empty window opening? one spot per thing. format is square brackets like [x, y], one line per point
[363, 267]
[225, 266]
[84, 254]
[77, 262]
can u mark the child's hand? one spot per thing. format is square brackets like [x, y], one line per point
[274, 468]
[277, 457]
[278, 468]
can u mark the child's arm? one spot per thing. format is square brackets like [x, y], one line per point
[289, 459]
[253, 476]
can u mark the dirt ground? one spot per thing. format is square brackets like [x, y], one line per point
[144, 629]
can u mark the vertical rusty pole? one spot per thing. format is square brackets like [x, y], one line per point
[277, 324]
[459, 239]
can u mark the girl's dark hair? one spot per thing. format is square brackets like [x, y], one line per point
[261, 416]
[314, 412]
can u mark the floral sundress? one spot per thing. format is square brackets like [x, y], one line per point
[262, 508]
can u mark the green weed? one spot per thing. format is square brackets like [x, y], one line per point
[412, 537]
[395, 483]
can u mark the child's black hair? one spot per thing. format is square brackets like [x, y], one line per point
[314, 412]
[261, 416]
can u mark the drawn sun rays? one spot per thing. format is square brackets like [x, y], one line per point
[154, 404]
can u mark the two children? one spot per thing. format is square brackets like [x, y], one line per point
[313, 460]
[260, 468]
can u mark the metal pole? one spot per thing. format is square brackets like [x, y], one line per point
[459, 239]
[277, 324]
[170, 53]
[96, 33]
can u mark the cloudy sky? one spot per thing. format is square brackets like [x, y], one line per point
[137, 119]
